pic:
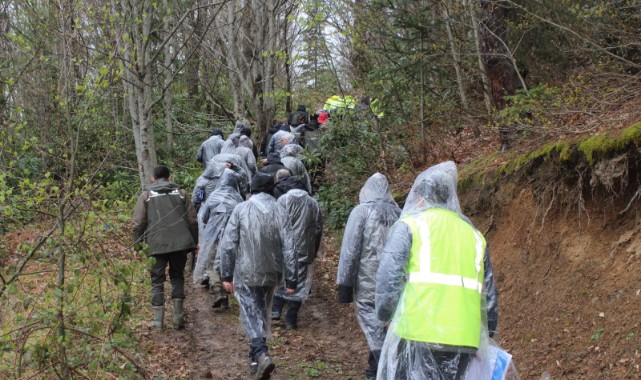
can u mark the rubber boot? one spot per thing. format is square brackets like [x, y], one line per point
[179, 320]
[159, 317]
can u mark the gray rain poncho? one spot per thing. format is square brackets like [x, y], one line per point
[289, 158]
[279, 140]
[363, 241]
[307, 229]
[209, 148]
[244, 151]
[206, 183]
[229, 145]
[237, 165]
[410, 359]
[215, 213]
[257, 251]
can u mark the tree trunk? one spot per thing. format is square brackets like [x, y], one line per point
[479, 53]
[169, 93]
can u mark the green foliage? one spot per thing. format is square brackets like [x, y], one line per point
[354, 148]
[102, 291]
[597, 334]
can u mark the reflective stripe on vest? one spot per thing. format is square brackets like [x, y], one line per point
[441, 303]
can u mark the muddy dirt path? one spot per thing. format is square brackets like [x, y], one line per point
[327, 345]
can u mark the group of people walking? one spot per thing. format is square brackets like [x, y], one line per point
[420, 277]
[257, 232]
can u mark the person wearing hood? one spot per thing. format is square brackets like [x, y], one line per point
[279, 140]
[165, 219]
[215, 214]
[256, 255]
[268, 137]
[237, 164]
[432, 284]
[247, 131]
[289, 158]
[244, 151]
[206, 182]
[285, 182]
[300, 116]
[210, 147]
[229, 146]
[307, 228]
[364, 238]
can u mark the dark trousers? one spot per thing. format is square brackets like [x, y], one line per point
[253, 302]
[291, 318]
[448, 365]
[372, 362]
[176, 262]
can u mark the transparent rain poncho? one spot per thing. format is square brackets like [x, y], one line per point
[364, 238]
[206, 182]
[209, 148]
[257, 251]
[215, 213]
[410, 359]
[279, 140]
[289, 158]
[307, 229]
[237, 165]
[244, 151]
[229, 145]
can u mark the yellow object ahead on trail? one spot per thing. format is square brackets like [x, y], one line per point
[340, 104]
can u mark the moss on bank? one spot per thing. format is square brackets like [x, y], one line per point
[564, 154]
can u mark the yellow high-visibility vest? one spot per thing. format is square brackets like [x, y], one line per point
[441, 303]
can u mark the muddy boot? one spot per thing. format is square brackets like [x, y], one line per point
[220, 300]
[291, 318]
[265, 367]
[179, 318]
[277, 307]
[159, 317]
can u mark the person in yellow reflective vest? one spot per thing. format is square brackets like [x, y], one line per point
[435, 283]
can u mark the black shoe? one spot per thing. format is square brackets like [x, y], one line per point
[253, 368]
[219, 299]
[275, 315]
[265, 367]
[291, 326]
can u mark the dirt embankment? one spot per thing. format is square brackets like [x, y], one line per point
[565, 241]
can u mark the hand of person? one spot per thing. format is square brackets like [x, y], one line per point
[291, 291]
[229, 286]
[197, 249]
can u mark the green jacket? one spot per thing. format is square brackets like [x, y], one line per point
[165, 219]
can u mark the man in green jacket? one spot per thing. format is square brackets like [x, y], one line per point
[165, 219]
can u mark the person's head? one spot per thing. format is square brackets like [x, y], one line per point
[282, 174]
[161, 172]
[246, 131]
[262, 183]
[217, 132]
[246, 142]
[273, 158]
[301, 108]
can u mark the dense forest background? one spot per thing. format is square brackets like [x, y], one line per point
[94, 94]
